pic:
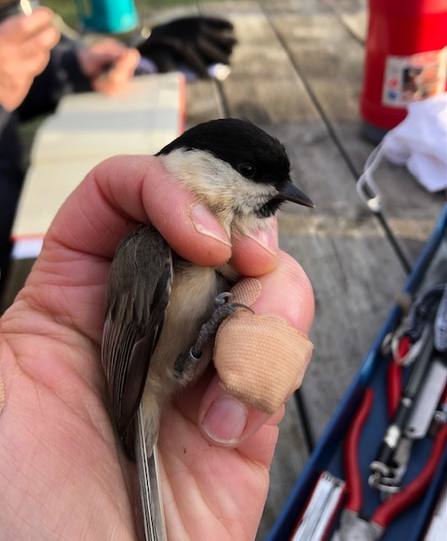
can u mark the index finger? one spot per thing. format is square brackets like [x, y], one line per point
[124, 191]
[21, 27]
[114, 81]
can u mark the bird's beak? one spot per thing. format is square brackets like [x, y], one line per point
[291, 193]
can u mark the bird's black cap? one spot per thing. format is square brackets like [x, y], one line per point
[250, 150]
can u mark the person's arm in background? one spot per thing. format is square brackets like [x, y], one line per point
[33, 78]
[106, 66]
[25, 44]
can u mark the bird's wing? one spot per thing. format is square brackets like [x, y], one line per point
[138, 292]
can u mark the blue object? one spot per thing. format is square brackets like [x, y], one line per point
[108, 16]
[328, 455]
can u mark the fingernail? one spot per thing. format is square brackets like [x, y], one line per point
[225, 420]
[266, 238]
[206, 224]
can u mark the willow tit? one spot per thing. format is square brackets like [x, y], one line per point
[162, 312]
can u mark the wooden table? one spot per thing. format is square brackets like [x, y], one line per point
[297, 73]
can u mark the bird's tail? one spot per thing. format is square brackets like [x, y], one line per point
[149, 482]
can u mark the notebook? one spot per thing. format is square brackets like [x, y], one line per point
[86, 129]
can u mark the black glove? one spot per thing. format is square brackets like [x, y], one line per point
[196, 42]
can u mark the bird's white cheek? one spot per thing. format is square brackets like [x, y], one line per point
[232, 198]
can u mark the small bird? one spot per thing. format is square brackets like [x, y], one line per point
[162, 312]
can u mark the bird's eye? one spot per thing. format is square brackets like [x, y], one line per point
[247, 170]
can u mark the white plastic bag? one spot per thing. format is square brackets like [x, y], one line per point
[419, 142]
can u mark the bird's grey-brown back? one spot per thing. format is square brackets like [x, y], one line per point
[135, 311]
[156, 304]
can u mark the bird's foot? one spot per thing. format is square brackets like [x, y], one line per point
[186, 364]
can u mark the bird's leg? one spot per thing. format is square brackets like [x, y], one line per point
[222, 309]
[186, 364]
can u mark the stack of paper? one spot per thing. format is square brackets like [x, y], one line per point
[86, 129]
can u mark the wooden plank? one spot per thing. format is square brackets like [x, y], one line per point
[330, 59]
[353, 14]
[202, 102]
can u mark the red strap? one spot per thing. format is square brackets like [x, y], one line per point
[394, 387]
[404, 346]
[350, 455]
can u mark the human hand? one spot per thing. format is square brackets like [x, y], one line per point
[59, 464]
[25, 44]
[109, 65]
[196, 42]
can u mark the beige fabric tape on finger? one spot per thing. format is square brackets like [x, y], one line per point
[260, 359]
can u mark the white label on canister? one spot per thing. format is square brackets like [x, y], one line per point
[413, 78]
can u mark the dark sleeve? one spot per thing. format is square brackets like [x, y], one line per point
[11, 178]
[4, 118]
[62, 76]
[10, 149]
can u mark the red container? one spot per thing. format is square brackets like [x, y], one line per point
[406, 57]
